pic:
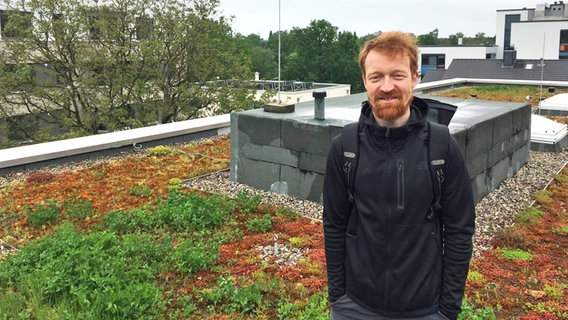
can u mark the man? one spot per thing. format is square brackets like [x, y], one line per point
[395, 265]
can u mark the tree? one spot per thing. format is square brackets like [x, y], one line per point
[321, 54]
[454, 38]
[122, 63]
[313, 45]
[428, 39]
[345, 67]
[367, 37]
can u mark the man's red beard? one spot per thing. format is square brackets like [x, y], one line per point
[391, 110]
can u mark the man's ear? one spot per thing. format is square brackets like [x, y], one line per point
[415, 78]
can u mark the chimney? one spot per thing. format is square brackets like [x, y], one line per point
[319, 104]
[509, 57]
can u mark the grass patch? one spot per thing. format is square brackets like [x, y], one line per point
[529, 216]
[543, 197]
[561, 231]
[45, 214]
[516, 254]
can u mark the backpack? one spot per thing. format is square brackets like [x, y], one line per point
[438, 139]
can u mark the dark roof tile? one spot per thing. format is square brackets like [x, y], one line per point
[553, 70]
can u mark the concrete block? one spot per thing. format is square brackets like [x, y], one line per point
[502, 128]
[312, 162]
[499, 152]
[520, 139]
[257, 174]
[303, 184]
[477, 165]
[479, 186]
[259, 130]
[306, 137]
[521, 118]
[270, 154]
[519, 158]
[479, 139]
[499, 173]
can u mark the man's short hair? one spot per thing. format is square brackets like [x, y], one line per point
[392, 44]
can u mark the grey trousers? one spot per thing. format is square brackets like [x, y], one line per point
[347, 309]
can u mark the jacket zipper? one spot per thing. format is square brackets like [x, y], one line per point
[400, 183]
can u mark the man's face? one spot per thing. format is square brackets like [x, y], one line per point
[389, 83]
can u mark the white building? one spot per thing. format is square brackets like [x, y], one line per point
[525, 34]
[440, 57]
[534, 33]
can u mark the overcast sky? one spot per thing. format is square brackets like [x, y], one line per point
[368, 16]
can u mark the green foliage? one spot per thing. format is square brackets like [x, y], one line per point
[260, 224]
[195, 254]
[137, 67]
[99, 275]
[78, 208]
[314, 46]
[428, 39]
[159, 151]
[543, 197]
[470, 313]
[561, 178]
[174, 181]
[316, 308]
[188, 211]
[179, 211]
[239, 297]
[287, 213]
[561, 231]
[516, 254]
[297, 242]
[554, 291]
[247, 202]
[475, 276]
[45, 214]
[140, 190]
[529, 216]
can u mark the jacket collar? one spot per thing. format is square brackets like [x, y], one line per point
[418, 112]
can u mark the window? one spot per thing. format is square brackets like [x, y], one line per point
[15, 23]
[509, 19]
[144, 26]
[563, 50]
[432, 61]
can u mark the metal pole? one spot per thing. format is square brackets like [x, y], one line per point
[279, 48]
[541, 72]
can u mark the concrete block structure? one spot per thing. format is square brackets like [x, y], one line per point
[286, 152]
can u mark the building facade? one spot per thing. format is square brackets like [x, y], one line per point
[534, 33]
[440, 57]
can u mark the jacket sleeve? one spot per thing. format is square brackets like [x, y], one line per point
[458, 217]
[335, 218]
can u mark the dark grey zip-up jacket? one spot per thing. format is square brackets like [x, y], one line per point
[394, 264]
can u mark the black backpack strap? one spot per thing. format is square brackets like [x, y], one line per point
[350, 149]
[438, 141]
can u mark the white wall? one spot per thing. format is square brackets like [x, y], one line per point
[500, 26]
[529, 38]
[332, 91]
[457, 52]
